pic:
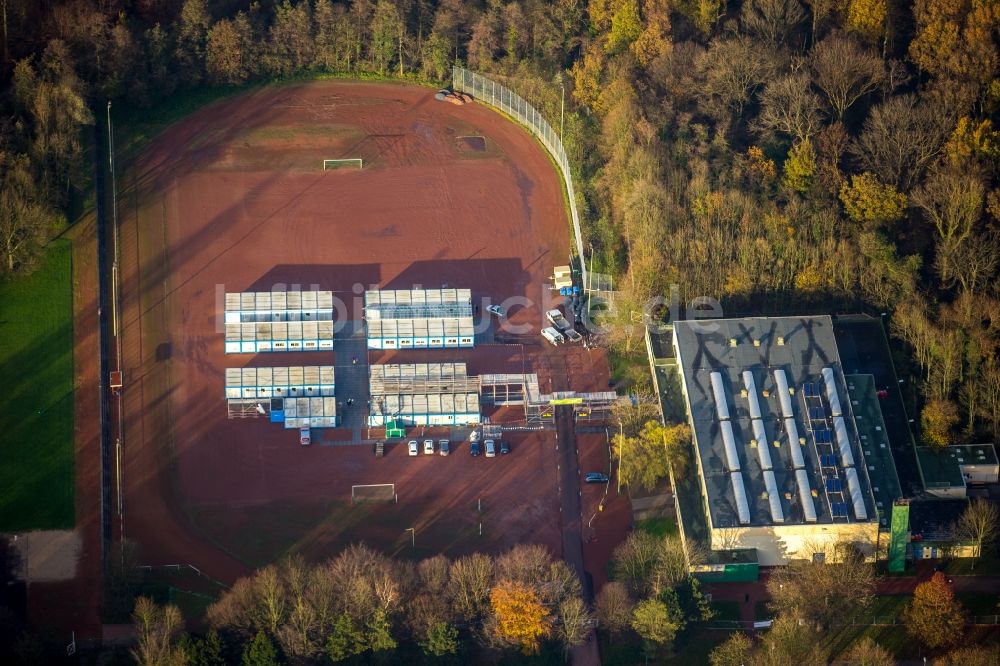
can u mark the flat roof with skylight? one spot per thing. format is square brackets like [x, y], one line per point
[774, 431]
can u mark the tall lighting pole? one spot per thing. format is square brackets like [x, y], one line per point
[621, 454]
[562, 106]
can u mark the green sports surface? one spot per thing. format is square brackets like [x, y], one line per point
[36, 372]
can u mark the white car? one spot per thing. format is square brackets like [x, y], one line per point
[305, 436]
[553, 336]
[558, 320]
[413, 447]
[491, 449]
[429, 447]
[496, 310]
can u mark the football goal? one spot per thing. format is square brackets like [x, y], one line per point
[351, 163]
[378, 492]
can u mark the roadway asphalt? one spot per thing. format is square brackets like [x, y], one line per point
[571, 519]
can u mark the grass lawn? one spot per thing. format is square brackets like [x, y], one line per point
[692, 647]
[987, 565]
[726, 611]
[660, 526]
[36, 371]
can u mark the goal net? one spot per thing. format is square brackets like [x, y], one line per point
[378, 492]
[352, 163]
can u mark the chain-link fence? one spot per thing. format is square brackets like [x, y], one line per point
[490, 92]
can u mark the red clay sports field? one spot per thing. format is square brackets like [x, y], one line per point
[234, 198]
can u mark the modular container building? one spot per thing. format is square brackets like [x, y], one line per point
[423, 394]
[295, 396]
[292, 382]
[275, 321]
[419, 318]
[312, 412]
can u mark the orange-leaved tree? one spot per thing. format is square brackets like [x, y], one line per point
[934, 616]
[521, 619]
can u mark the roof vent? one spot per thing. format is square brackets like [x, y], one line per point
[802, 441]
[753, 443]
[756, 342]
[781, 341]
[766, 393]
[732, 342]
[814, 493]
[743, 392]
[763, 495]
[788, 496]
[777, 444]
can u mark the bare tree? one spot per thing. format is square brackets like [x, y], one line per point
[633, 414]
[900, 139]
[574, 622]
[820, 10]
[672, 563]
[634, 559]
[157, 629]
[866, 652]
[772, 20]
[788, 642]
[952, 200]
[614, 607]
[790, 107]
[979, 523]
[822, 592]
[469, 585]
[733, 70]
[561, 583]
[524, 563]
[845, 71]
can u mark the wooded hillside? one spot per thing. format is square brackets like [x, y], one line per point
[777, 155]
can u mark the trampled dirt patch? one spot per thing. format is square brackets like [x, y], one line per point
[234, 198]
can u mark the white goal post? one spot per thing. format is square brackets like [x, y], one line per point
[350, 163]
[376, 492]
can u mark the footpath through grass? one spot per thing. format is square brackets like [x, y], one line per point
[36, 371]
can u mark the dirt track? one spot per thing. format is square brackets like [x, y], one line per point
[234, 199]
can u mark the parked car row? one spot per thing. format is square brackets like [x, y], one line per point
[476, 447]
[443, 447]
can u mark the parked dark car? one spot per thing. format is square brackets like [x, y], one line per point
[596, 477]
[474, 448]
[504, 447]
